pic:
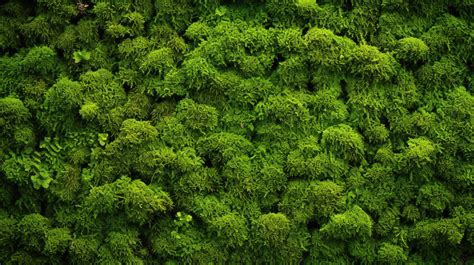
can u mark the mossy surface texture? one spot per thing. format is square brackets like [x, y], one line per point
[236, 132]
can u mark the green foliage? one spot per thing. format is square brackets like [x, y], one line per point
[230, 228]
[344, 141]
[40, 60]
[277, 239]
[13, 113]
[57, 241]
[81, 56]
[33, 229]
[250, 91]
[329, 50]
[158, 62]
[371, 64]
[8, 35]
[326, 251]
[438, 232]
[120, 247]
[363, 251]
[434, 197]
[28, 169]
[391, 254]
[7, 235]
[273, 229]
[441, 75]
[195, 116]
[287, 109]
[236, 132]
[420, 152]
[177, 14]
[83, 249]
[223, 146]
[136, 199]
[411, 50]
[198, 31]
[294, 72]
[141, 201]
[61, 104]
[133, 48]
[353, 223]
[135, 132]
[305, 201]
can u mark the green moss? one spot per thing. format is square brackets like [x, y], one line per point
[236, 132]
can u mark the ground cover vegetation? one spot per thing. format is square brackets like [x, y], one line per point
[236, 132]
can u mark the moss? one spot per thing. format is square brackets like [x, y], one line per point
[236, 132]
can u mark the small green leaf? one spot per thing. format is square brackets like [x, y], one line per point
[86, 175]
[79, 56]
[103, 138]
